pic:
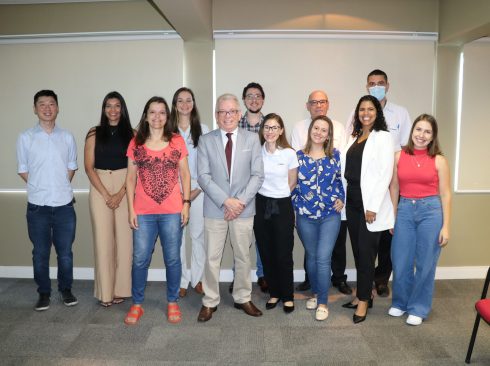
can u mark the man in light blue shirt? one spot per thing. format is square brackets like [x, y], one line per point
[47, 160]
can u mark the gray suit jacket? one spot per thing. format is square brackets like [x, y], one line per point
[212, 172]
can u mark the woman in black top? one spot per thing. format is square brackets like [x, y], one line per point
[368, 166]
[106, 165]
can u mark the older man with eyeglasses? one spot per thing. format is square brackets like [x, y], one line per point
[318, 105]
[253, 98]
[230, 172]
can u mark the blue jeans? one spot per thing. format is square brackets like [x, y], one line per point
[260, 267]
[168, 228]
[318, 238]
[48, 225]
[415, 246]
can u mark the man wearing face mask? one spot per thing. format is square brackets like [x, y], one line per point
[399, 124]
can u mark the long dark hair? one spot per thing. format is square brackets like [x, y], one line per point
[328, 144]
[433, 148]
[143, 129]
[282, 141]
[103, 130]
[195, 125]
[379, 123]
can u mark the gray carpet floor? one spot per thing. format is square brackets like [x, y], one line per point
[89, 334]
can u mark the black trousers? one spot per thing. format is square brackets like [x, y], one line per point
[339, 257]
[364, 247]
[384, 268]
[274, 232]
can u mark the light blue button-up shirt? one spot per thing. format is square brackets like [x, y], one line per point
[46, 158]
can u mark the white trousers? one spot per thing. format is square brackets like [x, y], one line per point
[195, 228]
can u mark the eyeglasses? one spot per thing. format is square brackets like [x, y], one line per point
[253, 97]
[379, 83]
[314, 103]
[233, 112]
[271, 128]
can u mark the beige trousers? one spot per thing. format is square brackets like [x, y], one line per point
[215, 234]
[113, 240]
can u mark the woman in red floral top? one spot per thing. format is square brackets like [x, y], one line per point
[157, 167]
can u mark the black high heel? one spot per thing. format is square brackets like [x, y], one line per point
[360, 318]
[271, 305]
[288, 308]
[350, 305]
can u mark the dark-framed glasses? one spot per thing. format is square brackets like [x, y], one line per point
[271, 128]
[314, 103]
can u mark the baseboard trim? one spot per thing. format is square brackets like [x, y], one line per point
[226, 275]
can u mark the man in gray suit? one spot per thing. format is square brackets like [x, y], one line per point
[230, 172]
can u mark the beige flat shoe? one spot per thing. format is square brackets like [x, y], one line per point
[311, 304]
[321, 313]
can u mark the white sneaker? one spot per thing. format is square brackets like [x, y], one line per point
[414, 320]
[395, 312]
[321, 313]
[311, 303]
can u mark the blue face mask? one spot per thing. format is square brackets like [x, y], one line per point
[379, 92]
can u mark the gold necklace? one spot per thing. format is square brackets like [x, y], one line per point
[419, 164]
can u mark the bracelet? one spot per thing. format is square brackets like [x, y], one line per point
[187, 201]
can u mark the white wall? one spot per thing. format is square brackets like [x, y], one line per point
[474, 149]
[288, 69]
[81, 74]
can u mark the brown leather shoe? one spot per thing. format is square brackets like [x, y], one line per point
[199, 289]
[264, 287]
[206, 313]
[249, 308]
[182, 292]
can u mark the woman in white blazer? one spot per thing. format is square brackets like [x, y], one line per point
[367, 166]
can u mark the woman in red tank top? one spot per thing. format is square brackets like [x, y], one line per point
[421, 195]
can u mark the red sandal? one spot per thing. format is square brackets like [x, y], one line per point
[174, 315]
[134, 315]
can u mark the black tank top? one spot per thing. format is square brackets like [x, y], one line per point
[353, 163]
[352, 174]
[111, 155]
